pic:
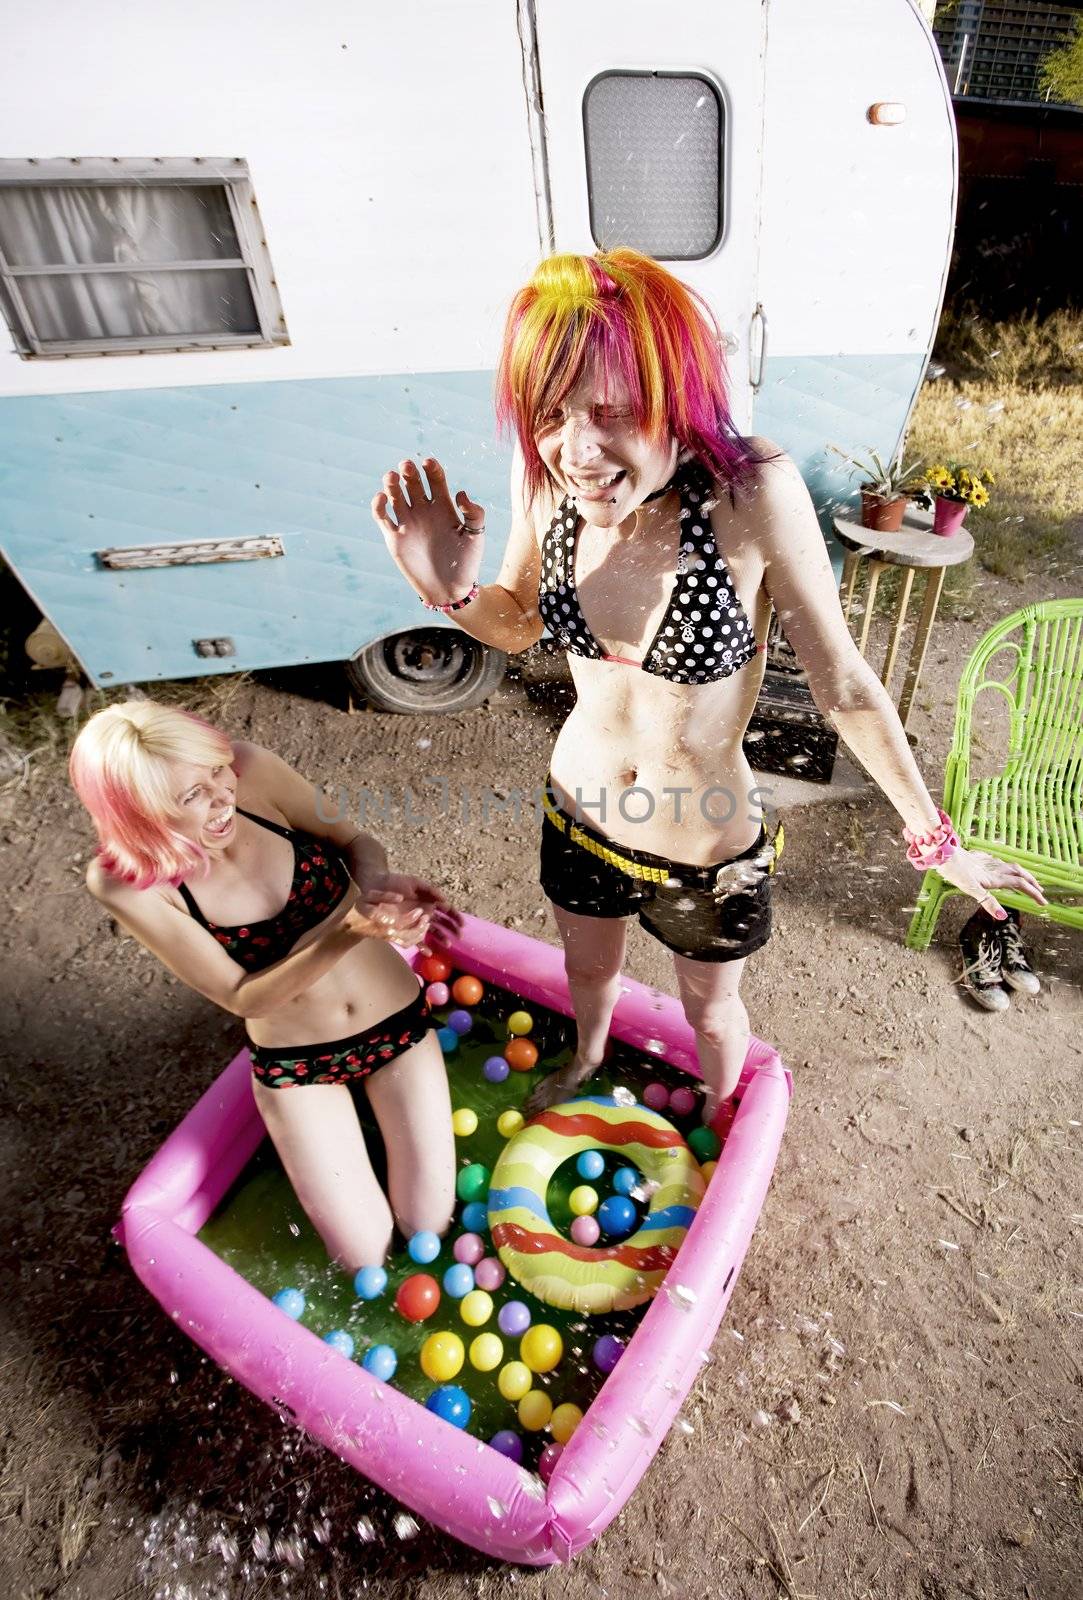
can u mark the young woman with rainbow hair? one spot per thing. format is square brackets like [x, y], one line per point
[653, 541]
[214, 855]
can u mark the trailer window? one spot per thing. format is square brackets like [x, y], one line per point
[115, 257]
[654, 143]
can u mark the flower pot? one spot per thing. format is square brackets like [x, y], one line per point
[885, 516]
[948, 516]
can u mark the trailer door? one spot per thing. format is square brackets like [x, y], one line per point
[650, 136]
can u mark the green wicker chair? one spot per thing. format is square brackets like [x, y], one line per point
[1032, 811]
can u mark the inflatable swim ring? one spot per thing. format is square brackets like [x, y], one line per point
[603, 1277]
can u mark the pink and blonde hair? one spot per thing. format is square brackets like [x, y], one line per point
[122, 769]
[621, 315]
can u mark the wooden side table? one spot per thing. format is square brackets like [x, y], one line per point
[915, 548]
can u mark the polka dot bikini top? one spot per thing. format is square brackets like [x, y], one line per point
[704, 635]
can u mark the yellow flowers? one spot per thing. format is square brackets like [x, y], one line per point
[954, 480]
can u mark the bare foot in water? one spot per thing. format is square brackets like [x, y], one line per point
[559, 1086]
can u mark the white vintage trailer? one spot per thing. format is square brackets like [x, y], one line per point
[253, 254]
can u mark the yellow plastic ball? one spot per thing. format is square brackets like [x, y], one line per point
[535, 1409]
[707, 1170]
[442, 1356]
[464, 1122]
[514, 1380]
[583, 1200]
[486, 1352]
[476, 1308]
[541, 1347]
[520, 1022]
[566, 1418]
[509, 1122]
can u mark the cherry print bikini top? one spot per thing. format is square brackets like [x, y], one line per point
[320, 880]
[704, 635]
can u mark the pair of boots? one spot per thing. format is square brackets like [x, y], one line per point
[994, 956]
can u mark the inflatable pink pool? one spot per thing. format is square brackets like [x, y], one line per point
[456, 1481]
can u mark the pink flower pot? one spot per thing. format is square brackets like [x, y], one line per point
[948, 516]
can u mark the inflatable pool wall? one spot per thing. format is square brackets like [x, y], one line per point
[443, 1474]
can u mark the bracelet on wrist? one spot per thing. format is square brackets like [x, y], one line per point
[454, 605]
[933, 846]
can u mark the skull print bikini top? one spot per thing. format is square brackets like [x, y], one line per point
[705, 633]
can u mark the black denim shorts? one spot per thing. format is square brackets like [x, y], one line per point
[717, 913]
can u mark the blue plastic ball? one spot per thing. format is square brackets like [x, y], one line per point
[591, 1165]
[341, 1341]
[475, 1217]
[449, 1039]
[458, 1280]
[617, 1216]
[369, 1283]
[495, 1069]
[460, 1021]
[607, 1352]
[451, 1403]
[291, 1301]
[381, 1361]
[509, 1444]
[625, 1179]
[424, 1247]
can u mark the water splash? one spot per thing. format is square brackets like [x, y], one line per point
[405, 1526]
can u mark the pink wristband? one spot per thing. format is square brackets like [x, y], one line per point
[454, 605]
[933, 847]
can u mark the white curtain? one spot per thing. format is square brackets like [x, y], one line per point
[56, 225]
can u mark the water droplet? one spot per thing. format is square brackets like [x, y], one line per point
[623, 1096]
[365, 1530]
[640, 1426]
[405, 1526]
[295, 1230]
[685, 1426]
[681, 1295]
[654, 1046]
[497, 1507]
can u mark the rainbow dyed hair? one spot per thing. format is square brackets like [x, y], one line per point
[121, 769]
[623, 316]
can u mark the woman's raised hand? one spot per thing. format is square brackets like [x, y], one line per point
[435, 542]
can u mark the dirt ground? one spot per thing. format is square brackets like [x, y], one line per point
[893, 1404]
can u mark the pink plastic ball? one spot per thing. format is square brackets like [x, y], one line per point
[489, 1274]
[438, 994]
[682, 1102]
[656, 1096]
[585, 1231]
[469, 1248]
[547, 1461]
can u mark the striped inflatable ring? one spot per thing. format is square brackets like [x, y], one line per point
[606, 1277]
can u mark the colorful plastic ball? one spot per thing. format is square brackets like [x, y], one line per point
[607, 1352]
[513, 1318]
[468, 990]
[451, 1403]
[460, 1021]
[547, 1461]
[434, 969]
[341, 1341]
[682, 1102]
[424, 1247]
[520, 1055]
[656, 1096]
[564, 1421]
[448, 1039]
[438, 994]
[541, 1347]
[468, 1247]
[486, 1352]
[585, 1231]
[464, 1122]
[489, 1274]
[625, 1179]
[458, 1280]
[583, 1200]
[472, 1182]
[475, 1217]
[514, 1380]
[369, 1283]
[291, 1301]
[509, 1122]
[495, 1069]
[520, 1022]
[590, 1165]
[381, 1361]
[477, 1308]
[707, 1170]
[418, 1297]
[535, 1409]
[704, 1144]
[617, 1216]
[442, 1356]
[509, 1444]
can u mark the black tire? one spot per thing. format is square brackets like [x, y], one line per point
[426, 670]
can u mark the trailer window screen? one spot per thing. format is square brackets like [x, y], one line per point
[112, 257]
[654, 144]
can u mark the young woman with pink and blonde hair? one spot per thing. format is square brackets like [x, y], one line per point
[653, 540]
[213, 854]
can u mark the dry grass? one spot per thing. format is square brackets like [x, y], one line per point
[1031, 352]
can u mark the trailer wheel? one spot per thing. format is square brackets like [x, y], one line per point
[426, 670]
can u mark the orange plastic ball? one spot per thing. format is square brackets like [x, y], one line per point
[418, 1297]
[467, 990]
[434, 969]
[520, 1054]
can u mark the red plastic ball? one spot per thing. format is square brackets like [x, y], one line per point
[418, 1297]
[434, 969]
[520, 1054]
[468, 990]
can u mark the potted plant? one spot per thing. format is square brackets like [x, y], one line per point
[953, 487]
[884, 490]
